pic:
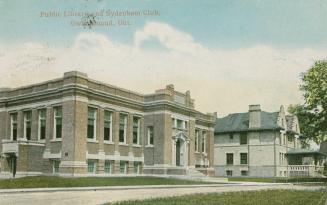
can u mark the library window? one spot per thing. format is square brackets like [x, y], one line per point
[179, 124]
[42, 120]
[137, 166]
[108, 167]
[203, 141]
[27, 125]
[13, 126]
[196, 140]
[136, 130]
[123, 167]
[57, 122]
[122, 128]
[91, 167]
[107, 126]
[91, 123]
[150, 135]
[55, 164]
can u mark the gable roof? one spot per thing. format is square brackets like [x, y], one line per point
[289, 121]
[237, 122]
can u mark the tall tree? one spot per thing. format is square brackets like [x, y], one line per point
[313, 114]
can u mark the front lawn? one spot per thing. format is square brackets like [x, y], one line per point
[52, 181]
[278, 180]
[270, 197]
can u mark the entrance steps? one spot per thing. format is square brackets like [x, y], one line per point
[194, 174]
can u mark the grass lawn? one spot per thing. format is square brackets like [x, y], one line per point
[272, 197]
[52, 181]
[278, 180]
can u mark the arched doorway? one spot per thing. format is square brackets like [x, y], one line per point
[180, 150]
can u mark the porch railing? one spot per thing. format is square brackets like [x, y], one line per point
[304, 170]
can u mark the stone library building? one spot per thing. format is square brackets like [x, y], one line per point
[77, 126]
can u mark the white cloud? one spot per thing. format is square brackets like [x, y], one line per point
[168, 36]
[220, 80]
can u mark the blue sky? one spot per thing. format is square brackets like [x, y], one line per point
[239, 52]
[222, 23]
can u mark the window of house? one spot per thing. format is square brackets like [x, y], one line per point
[41, 129]
[150, 135]
[13, 126]
[229, 173]
[91, 167]
[244, 158]
[122, 128]
[196, 139]
[91, 123]
[185, 125]
[57, 122]
[108, 167]
[55, 166]
[27, 125]
[243, 138]
[137, 166]
[136, 130]
[231, 136]
[244, 173]
[203, 146]
[123, 167]
[107, 135]
[229, 159]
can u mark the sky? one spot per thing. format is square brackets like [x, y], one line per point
[228, 53]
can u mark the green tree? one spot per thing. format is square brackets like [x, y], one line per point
[313, 114]
[307, 121]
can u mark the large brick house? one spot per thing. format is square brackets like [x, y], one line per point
[263, 144]
[76, 126]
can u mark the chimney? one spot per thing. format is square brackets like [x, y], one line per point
[170, 87]
[254, 116]
[74, 74]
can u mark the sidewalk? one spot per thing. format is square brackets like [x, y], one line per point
[58, 189]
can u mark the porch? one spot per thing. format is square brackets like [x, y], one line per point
[304, 171]
[305, 163]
